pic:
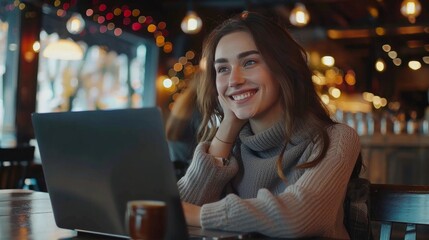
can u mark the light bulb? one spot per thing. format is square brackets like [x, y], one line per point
[191, 23]
[380, 66]
[75, 24]
[411, 9]
[299, 15]
[328, 61]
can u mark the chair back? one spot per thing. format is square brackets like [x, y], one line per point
[14, 165]
[399, 204]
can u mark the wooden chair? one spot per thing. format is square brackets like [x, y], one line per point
[14, 165]
[399, 204]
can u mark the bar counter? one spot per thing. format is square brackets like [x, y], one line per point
[396, 158]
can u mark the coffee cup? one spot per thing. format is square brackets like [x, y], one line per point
[146, 219]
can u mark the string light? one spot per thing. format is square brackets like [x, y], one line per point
[380, 66]
[328, 61]
[414, 65]
[108, 18]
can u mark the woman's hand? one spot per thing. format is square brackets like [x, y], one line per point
[192, 214]
[228, 115]
[226, 134]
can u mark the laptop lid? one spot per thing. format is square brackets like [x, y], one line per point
[96, 161]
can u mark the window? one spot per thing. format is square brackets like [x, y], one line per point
[115, 72]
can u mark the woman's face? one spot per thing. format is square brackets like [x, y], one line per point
[244, 80]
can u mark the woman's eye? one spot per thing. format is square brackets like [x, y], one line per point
[249, 63]
[222, 69]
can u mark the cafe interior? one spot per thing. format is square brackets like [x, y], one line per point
[370, 63]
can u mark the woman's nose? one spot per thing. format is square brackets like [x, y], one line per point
[236, 77]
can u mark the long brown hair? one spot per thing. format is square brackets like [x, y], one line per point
[287, 62]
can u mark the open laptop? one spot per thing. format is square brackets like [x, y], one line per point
[96, 161]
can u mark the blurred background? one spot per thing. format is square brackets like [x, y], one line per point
[369, 58]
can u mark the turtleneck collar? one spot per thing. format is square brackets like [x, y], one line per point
[274, 136]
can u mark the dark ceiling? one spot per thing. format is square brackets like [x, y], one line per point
[347, 24]
[355, 21]
[343, 27]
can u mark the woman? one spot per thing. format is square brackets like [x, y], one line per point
[276, 164]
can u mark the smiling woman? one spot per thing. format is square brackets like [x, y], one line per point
[288, 164]
[237, 61]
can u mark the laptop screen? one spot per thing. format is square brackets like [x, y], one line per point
[96, 161]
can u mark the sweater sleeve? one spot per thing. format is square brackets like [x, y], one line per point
[310, 207]
[204, 181]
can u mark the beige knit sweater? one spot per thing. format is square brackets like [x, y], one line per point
[248, 196]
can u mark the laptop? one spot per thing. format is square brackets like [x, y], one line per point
[96, 161]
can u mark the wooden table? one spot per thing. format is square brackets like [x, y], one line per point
[28, 215]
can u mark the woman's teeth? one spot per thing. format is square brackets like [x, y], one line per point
[242, 96]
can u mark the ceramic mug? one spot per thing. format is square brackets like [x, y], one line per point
[146, 219]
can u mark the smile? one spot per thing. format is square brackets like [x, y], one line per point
[242, 96]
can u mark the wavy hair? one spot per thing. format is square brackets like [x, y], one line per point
[287, 61]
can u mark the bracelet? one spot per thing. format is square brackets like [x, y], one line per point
[223, 141]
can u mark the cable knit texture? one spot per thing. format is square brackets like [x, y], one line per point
[248, 195]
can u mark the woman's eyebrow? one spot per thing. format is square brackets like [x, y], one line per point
[239, 56]
[247, 53]
[221, 60]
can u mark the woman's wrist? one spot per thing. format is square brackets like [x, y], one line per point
[223, 141]
[228, 131]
